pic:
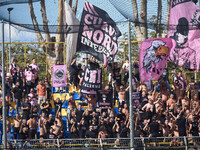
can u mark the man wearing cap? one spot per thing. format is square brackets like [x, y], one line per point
[183, 55]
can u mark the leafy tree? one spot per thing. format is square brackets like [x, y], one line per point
[33, 51]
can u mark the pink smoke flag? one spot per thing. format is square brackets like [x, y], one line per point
[184, 25]
[154, 54]
[59, 76]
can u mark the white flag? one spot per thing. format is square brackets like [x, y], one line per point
[71, 35]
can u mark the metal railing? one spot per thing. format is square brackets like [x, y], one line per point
[26, 51]
[143, 143]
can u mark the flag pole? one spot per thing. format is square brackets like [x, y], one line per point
[130, 89]
[3, 91]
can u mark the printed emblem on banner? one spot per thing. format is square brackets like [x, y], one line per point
[59, 74]
[156, 52]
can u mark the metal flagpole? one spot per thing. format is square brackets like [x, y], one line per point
[195, 76]
[3, 91]
[9, 10]
[86, 60]
[130, 88]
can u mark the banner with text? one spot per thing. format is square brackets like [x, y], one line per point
[136, 100]
[105, 98]
[92, 81]
[98, 34]
[59, 76]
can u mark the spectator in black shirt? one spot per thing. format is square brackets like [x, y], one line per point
[48, 88]
[111, 123]
[93, 64]
[193, 128]
[46, 107]
[81, 72]
[81, 75]
[79, 114]
[124, 131]
[154, 127]
[90, 133]
[17, 95]
[82, 127]
[73, 129]
[26, 107]
[136, 70]
[116, 73]
[79, 69]
[58, 104]
[73, 74]
[120, 116]
[23, 135]
[181, 122]
[35, 112]
[50, 121]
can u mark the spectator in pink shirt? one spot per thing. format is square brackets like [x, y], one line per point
[35, 69]
[29, 77]
[32, 97]
[27, 66]
[13, 69]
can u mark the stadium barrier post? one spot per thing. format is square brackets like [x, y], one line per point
[58, 143]
[143, 143]
[3, 90]
[185, 141]
[130, 89]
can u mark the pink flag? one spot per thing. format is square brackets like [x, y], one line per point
[154, 54]
[184, 27]
[59, 76]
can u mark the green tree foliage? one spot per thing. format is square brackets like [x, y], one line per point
[123, 47]
[152, 22]
[24, 53]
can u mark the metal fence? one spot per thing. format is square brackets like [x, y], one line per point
[144, 143]
[26, 51]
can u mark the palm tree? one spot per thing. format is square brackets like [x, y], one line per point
[140, 28]
[53, 52]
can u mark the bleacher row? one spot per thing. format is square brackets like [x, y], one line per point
[62, 94]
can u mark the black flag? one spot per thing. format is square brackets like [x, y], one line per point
[98, 34]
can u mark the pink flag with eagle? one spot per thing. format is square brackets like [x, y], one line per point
[184, 25]
[154, 54]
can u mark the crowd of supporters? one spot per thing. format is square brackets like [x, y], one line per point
[164, 109]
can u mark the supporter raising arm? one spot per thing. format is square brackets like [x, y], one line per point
[91, 99]
[17, 123]
[121, 93]
[181, 122]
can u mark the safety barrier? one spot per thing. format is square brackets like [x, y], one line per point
[143, 143]
[26, 51]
